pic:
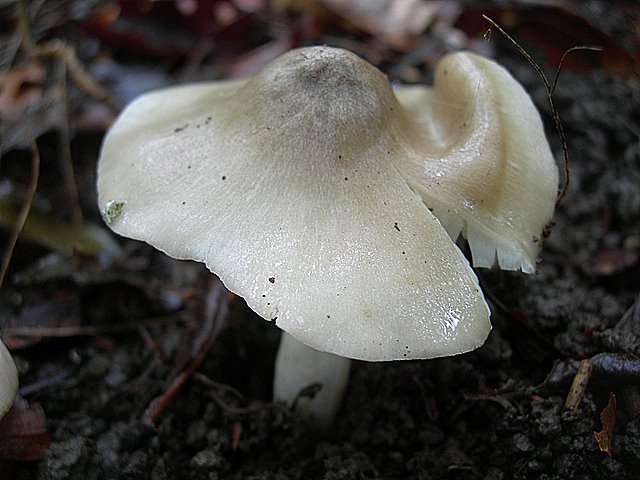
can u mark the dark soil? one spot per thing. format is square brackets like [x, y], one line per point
[492, 414]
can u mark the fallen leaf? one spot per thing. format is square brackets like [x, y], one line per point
[23, 434]
[43, 230]
[252, 62]
[614, 261]
[608, 420]
[20, 88]
[396, 22]
[28, 106]
[236, 431]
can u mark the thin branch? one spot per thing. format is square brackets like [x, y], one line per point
[64, 149]
[24, 211]
[550, 89]
[216, 309]
[592, 48]
[69, 67]
[90, 330]
[24, 27]
[83, 80]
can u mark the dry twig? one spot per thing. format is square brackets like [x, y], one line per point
[579, 385]
[24, 211]
[215, 315]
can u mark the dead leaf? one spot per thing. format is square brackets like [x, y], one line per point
[43, 230]
[23, 434]
[396, 22]
[236, 432]
[20, 88]
[608, 419]
[311, 7]
[252, 62]
[614, 261]
[28, 107]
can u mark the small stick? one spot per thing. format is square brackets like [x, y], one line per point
[66, 54]
[215, 315]
[64, 151]
[86, 330]
[24, 211]
[592, 48]
[69, 65]
[214, 393]
[579, 385]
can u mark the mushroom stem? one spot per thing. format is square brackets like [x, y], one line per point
[298, 367]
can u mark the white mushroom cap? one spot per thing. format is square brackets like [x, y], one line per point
[291, 187]
[8, 380]
[488, 171]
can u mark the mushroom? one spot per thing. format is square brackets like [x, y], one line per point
[302, 188]
[8, 380]
[489, 173]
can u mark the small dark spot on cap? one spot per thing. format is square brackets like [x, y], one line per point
[404, 253]
[184, 203]
[346, 178]
[272, 279]
[535, 239]
[395, 225]
[547, 228]
[328, 316]
[340, 156]
[224, 177]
